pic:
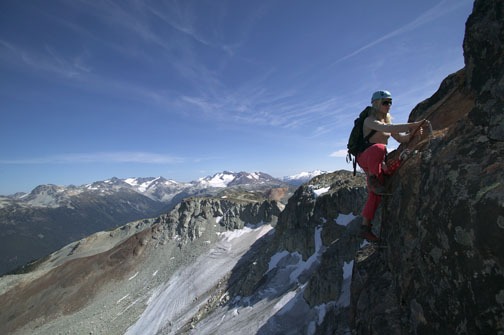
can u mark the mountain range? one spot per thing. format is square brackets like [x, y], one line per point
[37, 223]
[155, 188]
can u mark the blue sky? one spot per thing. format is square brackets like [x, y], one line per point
[93, 89]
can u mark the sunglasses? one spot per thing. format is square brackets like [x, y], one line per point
[387, 103]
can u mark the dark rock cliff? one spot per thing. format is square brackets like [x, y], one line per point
[442, 272]
[319, 226]
[189, 219]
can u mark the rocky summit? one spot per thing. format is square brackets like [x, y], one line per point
[242, 263]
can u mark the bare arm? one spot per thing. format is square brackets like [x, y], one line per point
[401, 138]
[374, 124]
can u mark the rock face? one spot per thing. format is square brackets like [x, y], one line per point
[319, 229]
[190, 218]
[442, 272]
[483, 53]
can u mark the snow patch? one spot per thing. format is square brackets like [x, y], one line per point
[118, 301]
[320, 191]
[322, 310]
[286, 303]
[312, 326]
[254, 175]
[218, 180]
[172, 304]
[278, 306]
[304, 176]
[344, 299]
[347, 269]
[293, 262]
[141, 187]
[131, 181]
[275, 259]
[128, 307]
[233, 234]
[344, 219]
[312, 260]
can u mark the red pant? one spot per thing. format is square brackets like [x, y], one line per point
[371, 162]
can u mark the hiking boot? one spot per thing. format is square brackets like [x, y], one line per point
[367, 234]
[376, 186]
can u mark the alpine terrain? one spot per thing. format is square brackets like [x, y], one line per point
[49, 217]
[246, 262]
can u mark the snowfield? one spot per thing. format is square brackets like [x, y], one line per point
[278, 307]
[172, 304]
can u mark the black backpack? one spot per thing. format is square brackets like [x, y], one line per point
[357, 143]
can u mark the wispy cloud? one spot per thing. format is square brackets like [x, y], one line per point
[180, 19]
[100, 157]
[291, 111]
[339, 153]
[441, 9]
[49, 60]
[172, 29]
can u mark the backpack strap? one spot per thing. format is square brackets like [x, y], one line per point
[367, 144]
[366, 140]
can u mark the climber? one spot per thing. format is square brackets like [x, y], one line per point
[372, 160]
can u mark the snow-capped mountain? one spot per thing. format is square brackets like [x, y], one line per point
[158, 189]
[155, 188]
[50, 216]
[302, 177]
[50, 196]
[228, 179]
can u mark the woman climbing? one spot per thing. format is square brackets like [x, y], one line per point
[372, 160]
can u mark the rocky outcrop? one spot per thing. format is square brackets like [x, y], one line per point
[189, 219]
[484, 59]
[442, 270]
[315, 242]
[318, 203]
